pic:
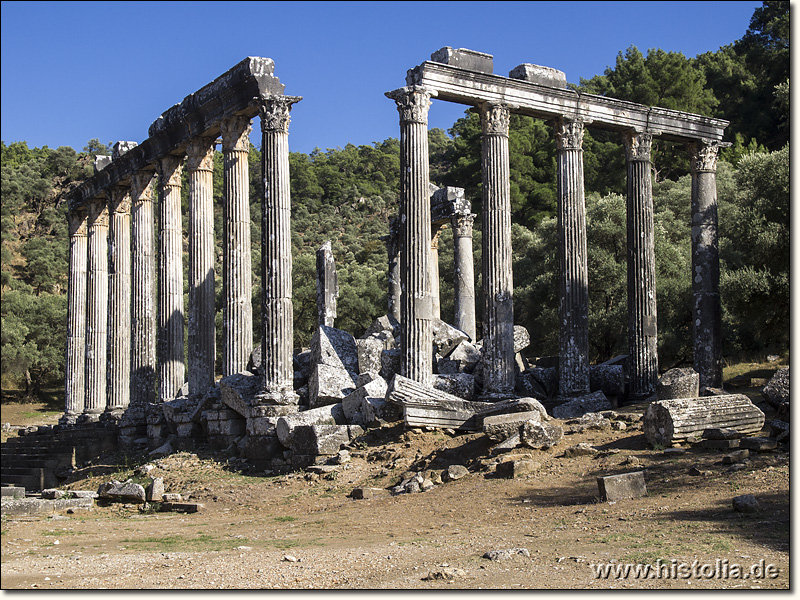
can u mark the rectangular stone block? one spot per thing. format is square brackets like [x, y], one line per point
[12, 491]
[464, 59]
[539, 74]
[501, 427]
[516, 468]
[262, 425]
[329, 385]
[622, 487]
[719, 444]
[314, 440]
[186, 507]
[758, 444]
[369, 354]
[369, 493]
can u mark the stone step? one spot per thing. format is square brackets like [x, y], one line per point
[32, 482]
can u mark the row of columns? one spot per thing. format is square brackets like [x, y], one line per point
[125, 342]
[415, 306]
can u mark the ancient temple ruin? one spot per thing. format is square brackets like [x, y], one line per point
[286, 407]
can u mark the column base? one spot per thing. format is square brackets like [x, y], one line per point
[67, 420]
[88, 418]
[497, 396]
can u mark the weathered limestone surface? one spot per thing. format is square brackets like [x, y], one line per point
[707, 321]
[327, 286]
[502, 427]
[678, 383]
[464, 58]
[277, 335]
[668, 421]
[540, 435]
[464, 275]
[642, 321]
[624, 486]
[171, 366]
[581, 405]
[118, 374]
[393, 275]
[777, 390]
[237, 313]
[498, 336]
[97, 311]
[75, 367]
[333, 414]
[573, 308]
[416, 310]
[202, 312]
[143, 285]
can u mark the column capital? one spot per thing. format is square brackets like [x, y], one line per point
[274, 112]
[703, 155]
[169, 170]
[200, 153]
[495, 118]
[413, 103]
[235, 132]
[637, 145]
[568, 133]
[142, 186]
[120, 200]
[462, 224]
[76, 220]
[98, 213]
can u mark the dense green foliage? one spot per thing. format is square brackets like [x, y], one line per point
[347, 195]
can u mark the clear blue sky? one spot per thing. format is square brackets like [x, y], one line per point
[72, 71]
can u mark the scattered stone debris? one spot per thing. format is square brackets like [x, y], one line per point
[735, 457]
[455, 472]
[697, 472]
[446, 574]
[581, 449]
[507, 553]
[581, 405]
[758, 444]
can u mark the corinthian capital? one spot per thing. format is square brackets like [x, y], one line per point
[235, 134]
[274, 112]
[142, 186]
[637, 145]
[77, 223]
[704, 156]
[413, 103]
[462, 224]
[98, 213]
[120, 199]
[569, 134]
[495, 119]
[200, 154]
[169, 170]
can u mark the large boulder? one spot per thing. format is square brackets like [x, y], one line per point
[501, 427]
[540, 435]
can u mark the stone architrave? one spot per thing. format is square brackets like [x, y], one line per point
[118, 375]
[416, 310]
[75, 366]
[436, 305]
[393, 275]
[707, 314]
[277, 335]
[573, 306]
[327, 286]
[237, 311]
[171, 366]
[464, 271]
[498, 316]
[97, 309]
[202, 312]
[143, 285]
[642, 322]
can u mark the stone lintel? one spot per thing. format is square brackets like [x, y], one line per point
[541, 75]
[543, 101]
[447, 202]
[464, 58]
[197, 115]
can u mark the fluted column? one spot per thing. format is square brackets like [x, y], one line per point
[118, 379]
[707, 315]
[573, 305]
[237, 311]
[277, 335]
[171, 366]
[143, 286]
[464, 271]
[498, 315]
[436, 302]
[75, 366]
[97, 309]
[201, 313]
[416, 310]
[393, 275]
[642, 322]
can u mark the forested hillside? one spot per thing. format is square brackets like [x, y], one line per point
[347, 195]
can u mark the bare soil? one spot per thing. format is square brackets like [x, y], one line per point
[304, 531]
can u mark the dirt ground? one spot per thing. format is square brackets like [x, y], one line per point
[303, 531]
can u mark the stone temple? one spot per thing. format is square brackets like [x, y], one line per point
[126, 373]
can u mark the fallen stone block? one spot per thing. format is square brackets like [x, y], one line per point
[155, 491]
[735, 457]
[540, 435]
[334, 348]
[353, 403]
[590, 420]
[581, 405]
[369, 354]
[52, 494]
[122, 492]
[547, 378]
[454, 472]
[446, 337]
[461, 385]
[525, 384]
[14, 507]
[624, 486]
[777, 390]
[238, 391]
[331, 414]
[369, 493]
[506, 446]
[183, 507]
[315, 440]
[386, 323]
[669, 421]
[502, 427]
[462, 359]
[329, 385]
[758, 444]
[609, 379]
[171, 497]
[678, 383]
[511, 469]
[721, 433]
[445, 574]
[719, 444]
[746, 503]
[261, 426]
[12, 491]
[390, 363]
